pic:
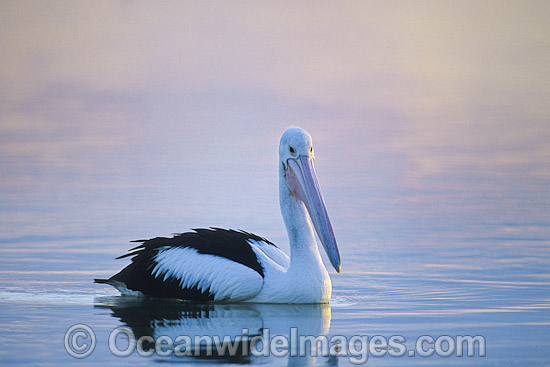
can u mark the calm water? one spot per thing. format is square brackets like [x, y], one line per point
[431, 129]
[445, 261]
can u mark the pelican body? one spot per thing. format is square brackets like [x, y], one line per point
[219, 265]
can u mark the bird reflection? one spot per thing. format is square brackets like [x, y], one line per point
[243, 332]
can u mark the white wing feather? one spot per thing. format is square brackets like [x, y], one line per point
[223, 278]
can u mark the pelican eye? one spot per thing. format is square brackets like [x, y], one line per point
[292, 150]
[311, 149]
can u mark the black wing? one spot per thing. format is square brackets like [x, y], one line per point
[139, 276]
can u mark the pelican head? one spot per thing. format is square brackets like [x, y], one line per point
[296, 164]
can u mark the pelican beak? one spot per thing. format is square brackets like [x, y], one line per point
[302, 181]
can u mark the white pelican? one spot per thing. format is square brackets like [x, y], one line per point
[235, 266]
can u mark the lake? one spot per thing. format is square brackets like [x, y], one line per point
[431, 131]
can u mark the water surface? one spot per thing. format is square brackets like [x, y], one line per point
[431, 128]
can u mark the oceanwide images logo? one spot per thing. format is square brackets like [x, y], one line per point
[80, 342]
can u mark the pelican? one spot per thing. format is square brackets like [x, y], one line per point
[219, 265]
